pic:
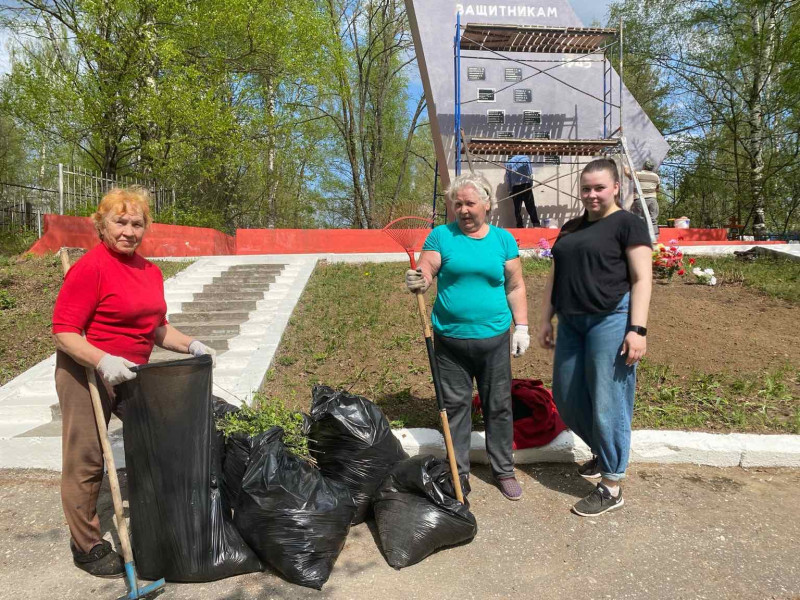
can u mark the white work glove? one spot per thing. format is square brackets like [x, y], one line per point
[115, 369]
[520, 340]
[415, 281]
[198, 348]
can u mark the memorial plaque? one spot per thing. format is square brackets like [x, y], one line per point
[513, 74]
[486, 95]
[532, 117]
[505, 135]
[496, 117]
[523, 95]
[552, 160]
[540, 135]
[476, 73]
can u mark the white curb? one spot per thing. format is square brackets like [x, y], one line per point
[647, 446]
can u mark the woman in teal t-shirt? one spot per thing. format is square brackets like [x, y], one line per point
[480, 292]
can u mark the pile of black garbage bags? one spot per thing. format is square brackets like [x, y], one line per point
[203, 507]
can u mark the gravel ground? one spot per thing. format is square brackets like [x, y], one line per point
[685, 532]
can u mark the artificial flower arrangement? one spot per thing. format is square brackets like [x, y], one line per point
[667, 260]
[703, 276]
[544, 251]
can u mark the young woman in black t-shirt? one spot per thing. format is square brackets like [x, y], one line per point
[599, 286]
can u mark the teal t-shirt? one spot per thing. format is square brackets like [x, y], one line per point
[471, 301]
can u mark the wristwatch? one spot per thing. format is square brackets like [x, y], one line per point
[642, 331]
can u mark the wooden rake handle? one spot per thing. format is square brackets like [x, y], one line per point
[108, 456]
[437, 386]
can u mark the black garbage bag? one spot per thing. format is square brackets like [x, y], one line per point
[294, 518]
[416, 511]
[352, 442]
[238, 448]
[180, 530]
[220, 408]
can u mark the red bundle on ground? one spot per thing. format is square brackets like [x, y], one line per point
[536, 418]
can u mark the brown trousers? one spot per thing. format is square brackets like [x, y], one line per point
[82, 455]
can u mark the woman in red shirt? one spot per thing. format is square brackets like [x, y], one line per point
[108, 315]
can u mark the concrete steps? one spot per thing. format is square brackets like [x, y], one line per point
[221, 316]
[238, 305]
[218, 305]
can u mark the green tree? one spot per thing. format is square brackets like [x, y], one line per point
[731, 70]
[366, 100]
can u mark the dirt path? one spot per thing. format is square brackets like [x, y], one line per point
[686, 532]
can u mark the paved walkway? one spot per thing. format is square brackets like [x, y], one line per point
[685, 532]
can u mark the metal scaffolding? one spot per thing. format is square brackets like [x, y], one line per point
[584, 42]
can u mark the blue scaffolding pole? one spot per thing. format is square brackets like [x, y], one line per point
[457, 106]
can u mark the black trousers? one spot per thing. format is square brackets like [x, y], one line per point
[488, 361]
[524, 193]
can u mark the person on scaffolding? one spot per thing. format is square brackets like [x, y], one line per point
[108, 315]
[650, 183]
[480, 293]
[519, 178]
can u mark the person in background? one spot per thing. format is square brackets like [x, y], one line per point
[480, 293]
[519, 179]
[650, 183]
[108, 315]
[599, 286]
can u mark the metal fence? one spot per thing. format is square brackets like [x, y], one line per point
[22, 206]
[77, 192]
[80, 190]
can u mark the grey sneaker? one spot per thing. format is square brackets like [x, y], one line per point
[590, 469]
[598, 502]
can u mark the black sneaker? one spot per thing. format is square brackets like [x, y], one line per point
[100, 561]
[590, 469]
[598, 502]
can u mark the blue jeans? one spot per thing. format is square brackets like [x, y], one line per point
[593, 388]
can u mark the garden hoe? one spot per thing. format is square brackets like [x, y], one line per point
[134, 591]
[408, 232]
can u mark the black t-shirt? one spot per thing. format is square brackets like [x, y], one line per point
[591, 267]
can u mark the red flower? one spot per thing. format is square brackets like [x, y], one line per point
[681, 272]
[692, 261]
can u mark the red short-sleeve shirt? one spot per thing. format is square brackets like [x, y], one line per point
[116, 299]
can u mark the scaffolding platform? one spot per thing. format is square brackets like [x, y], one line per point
[536, 39]
[537, 147]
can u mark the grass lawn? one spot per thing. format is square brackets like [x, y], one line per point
[720, 358]
[28, 288]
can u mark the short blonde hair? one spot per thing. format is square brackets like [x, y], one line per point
[122, 200]
[477, 182]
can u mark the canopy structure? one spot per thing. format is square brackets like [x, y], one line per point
[538, 147]
[535, 38]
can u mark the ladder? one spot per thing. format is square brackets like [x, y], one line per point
[608, 96]
[639, 195]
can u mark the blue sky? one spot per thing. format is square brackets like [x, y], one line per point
[3, 51]
[591, 10]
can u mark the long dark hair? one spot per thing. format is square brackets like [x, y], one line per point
[600, 164]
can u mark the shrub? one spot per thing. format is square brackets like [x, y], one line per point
[263, 414]
[7, 301]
